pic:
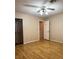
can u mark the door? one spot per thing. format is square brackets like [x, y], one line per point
[46, 30]
[18, 31]
[41, 25]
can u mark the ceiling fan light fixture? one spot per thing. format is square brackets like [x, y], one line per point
[41, 12]
[46, 13]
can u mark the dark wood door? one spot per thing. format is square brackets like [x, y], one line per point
[18, 31]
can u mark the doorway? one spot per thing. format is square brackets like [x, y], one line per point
[41, 28]
[18, 31]
[44, 30]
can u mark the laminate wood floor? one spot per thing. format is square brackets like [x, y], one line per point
[39, 50]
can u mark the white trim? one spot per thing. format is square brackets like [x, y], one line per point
[30, 41]
[57, 41]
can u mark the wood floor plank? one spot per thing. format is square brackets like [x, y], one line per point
[39, 50]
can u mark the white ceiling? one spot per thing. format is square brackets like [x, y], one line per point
[19, 6]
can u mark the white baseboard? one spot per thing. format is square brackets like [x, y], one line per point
[38, 40]
[57, 41]
[30, 41]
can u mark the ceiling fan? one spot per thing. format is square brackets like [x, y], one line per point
[42, 8]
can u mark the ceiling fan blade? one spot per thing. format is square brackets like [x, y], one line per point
[50, 8]
[52, 1]
[31, 6]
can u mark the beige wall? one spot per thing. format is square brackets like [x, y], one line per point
[56, 28]
[30, 27]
